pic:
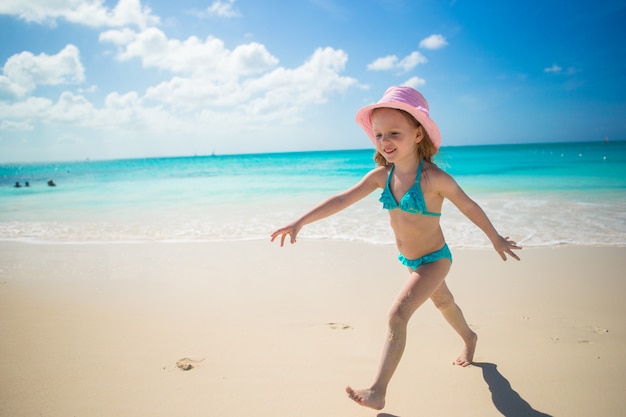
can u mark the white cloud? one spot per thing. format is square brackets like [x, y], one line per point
[415, 82]
[246, 78]
[24, 71]
[192, 56]
[383, 64]
[391, 62]
[26, 112]
[10, 90]
[553, 69]
[91, 13]
[433, 42]
[281, 91]
[557, 69]
[225, 91]
[223, 8]
[292, 89]
[16, 126]
[89, 89]
[240, 92]
[122, 101]
[71, 108]
[411, 61]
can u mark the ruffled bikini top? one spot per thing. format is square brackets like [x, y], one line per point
[412, 201]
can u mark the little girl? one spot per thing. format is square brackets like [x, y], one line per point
[406, 139]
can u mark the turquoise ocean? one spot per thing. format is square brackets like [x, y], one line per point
[539, 194]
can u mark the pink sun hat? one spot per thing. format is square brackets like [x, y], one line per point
[401, 98]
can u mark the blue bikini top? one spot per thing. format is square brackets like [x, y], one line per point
[413, 200]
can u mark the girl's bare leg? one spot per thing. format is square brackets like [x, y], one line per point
[421, 284]
[444, 301]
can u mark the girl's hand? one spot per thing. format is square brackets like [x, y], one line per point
[291, 230]
[505, 245]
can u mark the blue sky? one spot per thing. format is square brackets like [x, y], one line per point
[136, 78]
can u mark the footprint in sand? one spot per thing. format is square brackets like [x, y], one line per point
[593, 329]
[599, 330]
[339, 326]
[187, 364]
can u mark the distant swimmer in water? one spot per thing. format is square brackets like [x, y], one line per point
[17, 185]
[51, 184]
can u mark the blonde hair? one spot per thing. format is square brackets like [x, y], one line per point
[423, 150]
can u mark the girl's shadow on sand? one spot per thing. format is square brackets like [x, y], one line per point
[506, 400]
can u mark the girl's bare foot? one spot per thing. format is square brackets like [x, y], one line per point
[467, 354]
[367, 398]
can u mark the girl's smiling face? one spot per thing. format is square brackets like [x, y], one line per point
[396, 134]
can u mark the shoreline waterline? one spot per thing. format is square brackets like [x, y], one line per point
[540, 195]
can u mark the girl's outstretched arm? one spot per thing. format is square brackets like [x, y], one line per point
[333, 205]
[449, 189]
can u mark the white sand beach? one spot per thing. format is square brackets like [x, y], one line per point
[98, 329]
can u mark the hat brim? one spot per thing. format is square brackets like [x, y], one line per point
[364, 119]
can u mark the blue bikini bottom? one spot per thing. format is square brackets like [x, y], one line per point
[427, 259]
